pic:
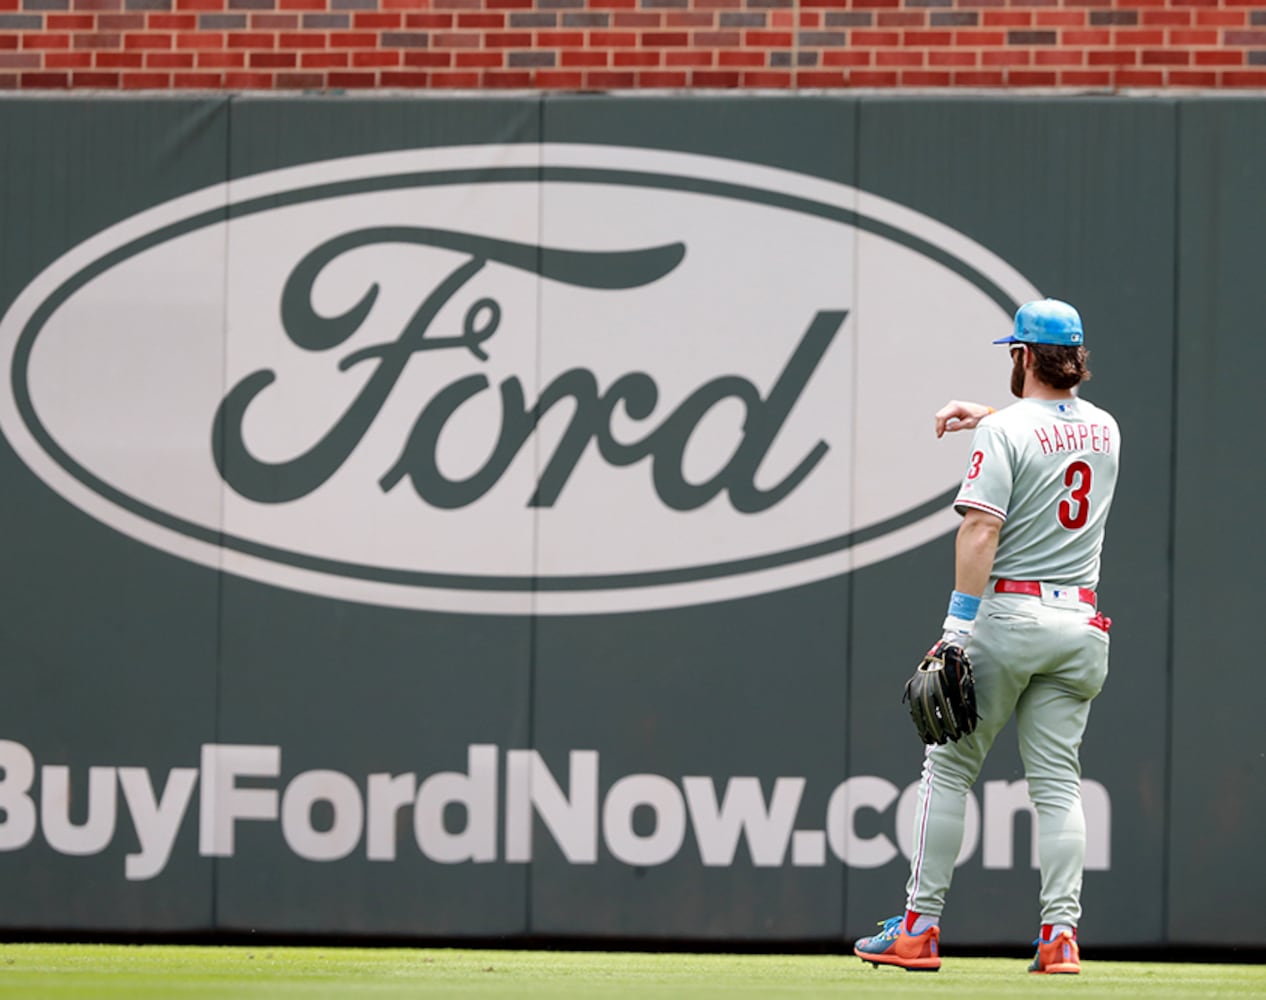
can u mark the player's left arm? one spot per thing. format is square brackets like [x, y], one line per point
[974, 551]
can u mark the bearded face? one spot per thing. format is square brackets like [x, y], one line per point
[1017, 372]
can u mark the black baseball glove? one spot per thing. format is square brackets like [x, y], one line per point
[942, 695]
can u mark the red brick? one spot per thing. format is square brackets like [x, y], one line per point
[903, 19]
[693, 58]
[1220, 18]
[926, 38]
[272, 60]
[552, 79]
[662, 78]
[665, 39]
[846, 57]
[47, 41]
[821, 78]
[560, 39]
[637, 58]
[872, 78]
[1191, 39]
[953, 58]
[313, 5]
[67, 60]
[118, 60]
[8, 43]
[69, 22]
[481, 19]
[249, 81]
[1060, 19]
[45, 81]
[612, 39]
[324, 60]
[219, 60]
[199, 4]
[506, 78]
[582, 58]
[689, 19]
[898, 57]
[169, 60]
[925, 78]
[1091, 37]
[715, 78]
[121, 22]
[1031, 78]
[1193, 78]
[254, 40]
[980, 78]
[1006, 57]
[200, 40]
[1166, 57]
[1153, 36]
[145, 81]
[198, 81]
[1220, 57]
[1085, 78]
[358, 40]
[1058, 57]
[274, 22]
[384, 59]
[146, 40]
[96, 80]
[508, 40]
[1244, 78]
[1169, 18]
[428, 60]
[480, 60]
[980, 39]
[873, 39]
[1139, 78]
[300, 40]
[454, 79]
[366, 20]
[404, 78]
[431, 21]
[300, 81]
[352, 80]
[769, 78]
[1112, 57]
[1006, 18]
[741, 58]
[98, 40]
[172, 22]
[636, 19]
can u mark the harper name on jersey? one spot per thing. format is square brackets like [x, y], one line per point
[1074, 437]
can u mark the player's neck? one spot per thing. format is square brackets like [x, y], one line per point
[1037, 389]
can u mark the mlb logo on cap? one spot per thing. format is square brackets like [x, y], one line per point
[1046, 321]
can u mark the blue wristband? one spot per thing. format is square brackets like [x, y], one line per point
[963, 606]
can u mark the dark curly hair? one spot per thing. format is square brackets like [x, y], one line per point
[1059, 367]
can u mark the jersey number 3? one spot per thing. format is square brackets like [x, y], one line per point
[1074, 510]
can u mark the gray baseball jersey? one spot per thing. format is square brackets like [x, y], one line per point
[1048, 468]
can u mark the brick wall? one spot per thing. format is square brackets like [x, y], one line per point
[609, 44]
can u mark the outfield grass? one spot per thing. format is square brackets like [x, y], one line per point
[89, 972]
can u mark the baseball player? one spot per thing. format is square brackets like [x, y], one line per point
[1034, 499]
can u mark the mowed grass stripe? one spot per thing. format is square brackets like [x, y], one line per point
[90, 972]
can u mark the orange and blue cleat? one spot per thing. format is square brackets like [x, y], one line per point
[894, 946]
[1058, 955]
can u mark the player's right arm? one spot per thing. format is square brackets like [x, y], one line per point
[958, 415]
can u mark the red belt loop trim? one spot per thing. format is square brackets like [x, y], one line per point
[1034, 589]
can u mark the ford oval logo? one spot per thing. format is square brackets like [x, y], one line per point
[512, 379]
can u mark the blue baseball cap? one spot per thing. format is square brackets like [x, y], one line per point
[1046, 321]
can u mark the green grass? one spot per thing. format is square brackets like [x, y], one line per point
[88, 972]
